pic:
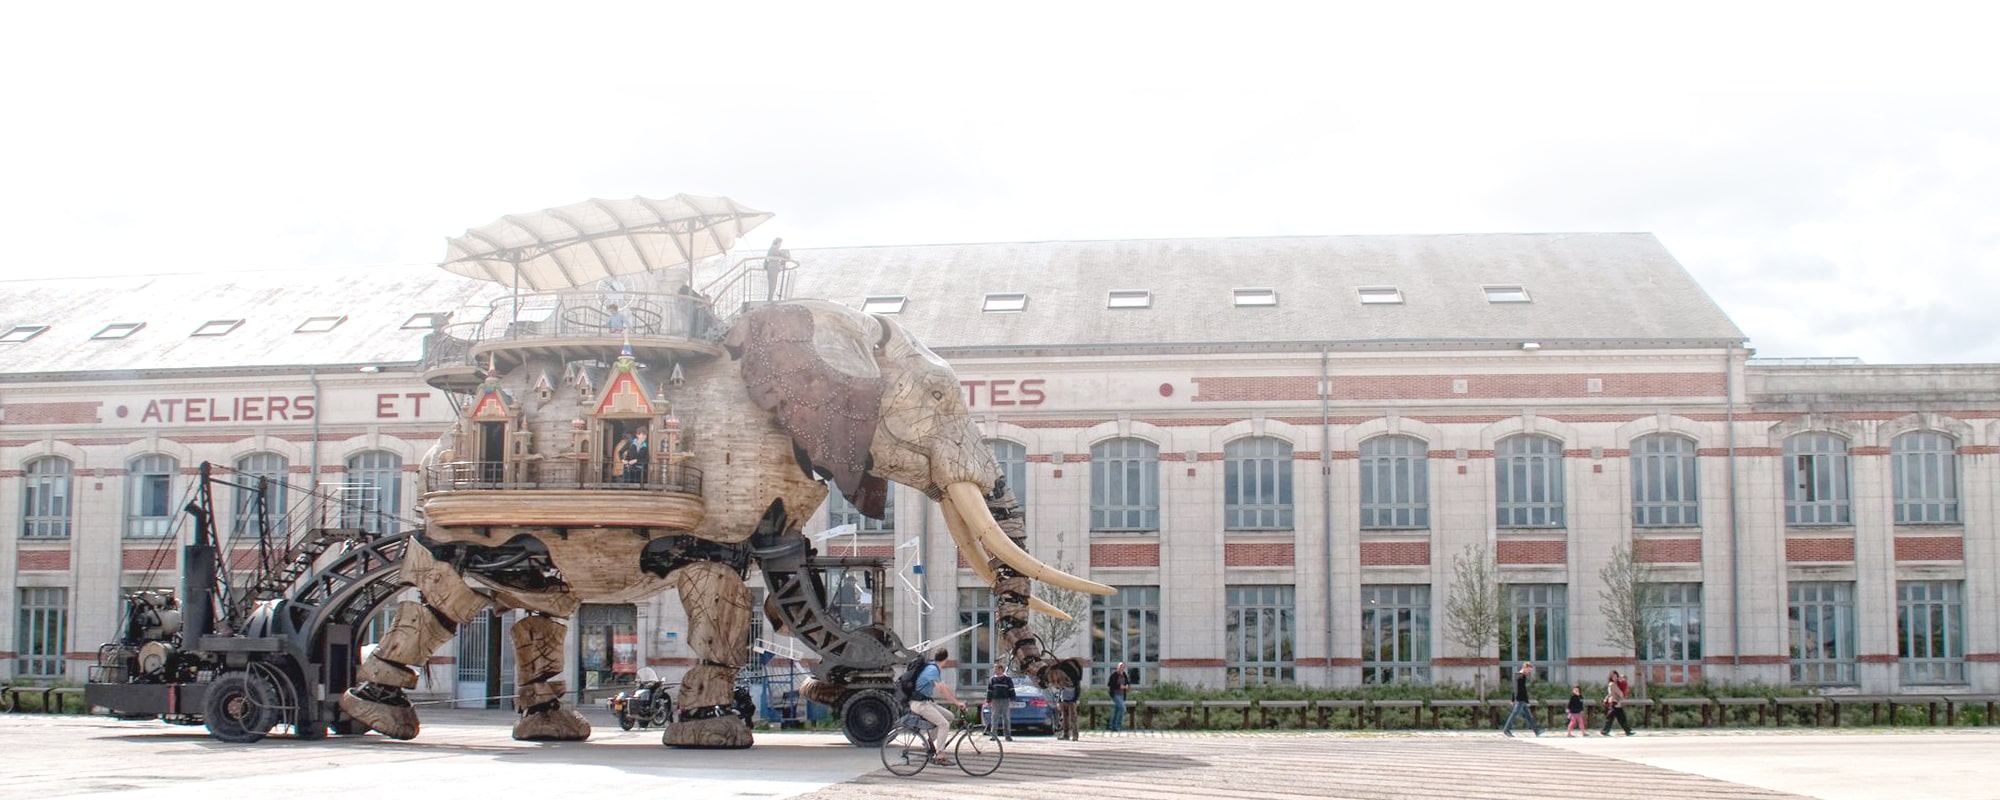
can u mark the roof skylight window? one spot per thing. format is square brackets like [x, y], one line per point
[1506, 294]
[22, 333]
[119, 330]
[320, 324]
[1380, 295]
[1129, 298]
[426, 320]
[1256, 297]
[217, 327]
[1005, 301]
[883, 304]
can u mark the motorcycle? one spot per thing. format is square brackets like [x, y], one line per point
[647, 703]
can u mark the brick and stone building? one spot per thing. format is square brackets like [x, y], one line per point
[1278, 448]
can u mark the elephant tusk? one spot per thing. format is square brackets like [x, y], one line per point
[982, 564]
[966, 497]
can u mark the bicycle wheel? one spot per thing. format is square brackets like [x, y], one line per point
[905, 751]
[978, 755]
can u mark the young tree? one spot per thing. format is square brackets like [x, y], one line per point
[1472, 612]
[1630, 603]
[1056, 633]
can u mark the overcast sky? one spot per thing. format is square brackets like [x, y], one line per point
[1832, 178]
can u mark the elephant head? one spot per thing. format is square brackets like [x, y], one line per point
[866, 403]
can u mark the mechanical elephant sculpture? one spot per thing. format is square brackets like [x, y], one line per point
[807, 393]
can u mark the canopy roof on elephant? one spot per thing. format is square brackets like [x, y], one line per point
[580, 244]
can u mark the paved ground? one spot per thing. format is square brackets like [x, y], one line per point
[468, 754]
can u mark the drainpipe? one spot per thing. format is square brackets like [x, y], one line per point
[1326, 496]
[1735, 555]
[312, 478]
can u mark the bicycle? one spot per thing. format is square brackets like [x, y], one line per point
[907, 749]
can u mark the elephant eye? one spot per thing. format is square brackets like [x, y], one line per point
[937, 395]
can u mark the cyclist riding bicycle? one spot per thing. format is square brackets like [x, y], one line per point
[931, 688]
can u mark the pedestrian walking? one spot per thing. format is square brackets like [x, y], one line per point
[1575, 713]
[1614, 703]
[1523, 706]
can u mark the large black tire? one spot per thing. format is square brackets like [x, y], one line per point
[625, 718]
[240, 708]
[663, 710]
[867, 716]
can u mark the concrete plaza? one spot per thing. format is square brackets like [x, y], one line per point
[469, 754]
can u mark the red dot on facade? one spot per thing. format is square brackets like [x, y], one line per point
[1166, 390]
[122, 412]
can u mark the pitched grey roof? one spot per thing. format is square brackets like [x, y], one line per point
[1590, 287]
[376, 301]
[1613, 288]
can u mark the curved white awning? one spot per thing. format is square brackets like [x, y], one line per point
[580, 244]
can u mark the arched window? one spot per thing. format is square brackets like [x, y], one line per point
[45, 508]
[150, 502]
[372, 497]
[1013, 458]
[1924, 469]
[1257, 485]
[1528, 474]
[839, 511]
[1125, 485]
[1816, 480]
[1395, 483]
[1664, 482]
[271, 468]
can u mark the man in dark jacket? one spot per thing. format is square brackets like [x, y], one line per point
[1523, 705]
[1000, 704]
[1119, 681]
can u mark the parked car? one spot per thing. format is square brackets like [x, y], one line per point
[1031, 711]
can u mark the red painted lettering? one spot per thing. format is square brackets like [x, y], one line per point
[302, 408]
[1000, 391]
[971, 392]
[249, 410]
[171, 405]
[278, 406]
[195, 411]
[1031, 392]
[417, 402]
[384, 406]
[152, 412]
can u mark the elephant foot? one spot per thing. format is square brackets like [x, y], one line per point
[554, 725]
[721, 732]
[381, 708]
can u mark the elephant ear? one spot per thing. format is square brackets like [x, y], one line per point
[819, 378]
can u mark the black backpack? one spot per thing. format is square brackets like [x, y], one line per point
[907, 684]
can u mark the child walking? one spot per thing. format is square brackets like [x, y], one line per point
[1576, 712]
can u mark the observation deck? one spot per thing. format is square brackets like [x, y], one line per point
[513, 329]
[561, 492]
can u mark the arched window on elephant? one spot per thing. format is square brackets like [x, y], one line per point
[1924, 470]
[45, 499]
[1013, 458]
[371, 498]
[1257, 484]
[1125, 485]
[272, 468]
[149, 510]
[1528, 477]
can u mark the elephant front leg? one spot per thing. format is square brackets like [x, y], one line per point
[718, 611]
[538, 642]
[378, 700]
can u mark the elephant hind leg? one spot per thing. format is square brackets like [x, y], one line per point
[419, 630]
[718, 609]
[538, 644]
[378, 700]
